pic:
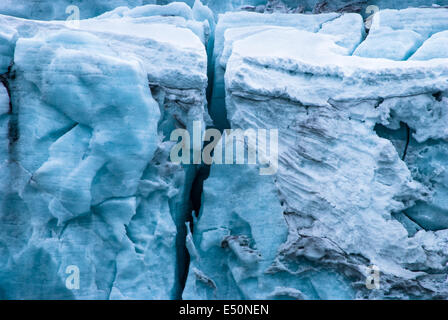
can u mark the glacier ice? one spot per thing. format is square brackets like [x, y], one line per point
[352, 192]
[86, 113]
[242, 24]
[90, 184]
[401, 44]
[435, 47]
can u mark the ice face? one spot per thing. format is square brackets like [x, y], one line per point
[353, 193]
[85, 150]
[88, 187]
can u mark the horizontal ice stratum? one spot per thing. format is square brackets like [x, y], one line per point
[93, 207]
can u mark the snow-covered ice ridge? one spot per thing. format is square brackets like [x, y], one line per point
[85, 119]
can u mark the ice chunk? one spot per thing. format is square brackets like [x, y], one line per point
[397, 34]
[390, 44]
[426, 21]
[310, 23]
[348, 30]
[89, 180]
[325, 63]
[424, 150]
[425, 113]
[435, 47]
[178, 9]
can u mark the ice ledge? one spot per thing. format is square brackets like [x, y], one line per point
[312, 70]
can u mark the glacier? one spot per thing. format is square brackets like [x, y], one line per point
[88, 186]
[349, 196]
[85, 150]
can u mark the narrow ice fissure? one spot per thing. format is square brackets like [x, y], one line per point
[408, 136]
[13, 127]
[217, 113]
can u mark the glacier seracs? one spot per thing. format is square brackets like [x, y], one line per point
[85, 149]
[87, 108]
[352, 190]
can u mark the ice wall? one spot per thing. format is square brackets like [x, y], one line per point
[89, 186]
[86, 112]
[352, 188]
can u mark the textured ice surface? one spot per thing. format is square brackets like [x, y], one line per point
[435, 47]
[394, 44]
[397, 34]
[351, 189]
[4, 117]
[86, 112]
[237, 26]
[84, 151]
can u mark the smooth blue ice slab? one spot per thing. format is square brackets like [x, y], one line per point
[425, 21]
[395, 44]
[348, 29]
[435, 47]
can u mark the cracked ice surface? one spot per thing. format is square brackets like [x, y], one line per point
[86, 153]
[343, 197]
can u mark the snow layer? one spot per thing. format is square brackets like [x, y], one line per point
[88, 182]
[351, 193]
[239, 25]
